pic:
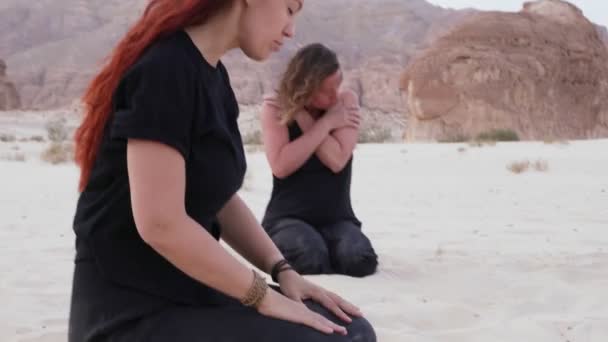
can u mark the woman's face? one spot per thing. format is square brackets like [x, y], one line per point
[327, 95]
[265, 24]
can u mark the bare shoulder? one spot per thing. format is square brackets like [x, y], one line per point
[270, 106]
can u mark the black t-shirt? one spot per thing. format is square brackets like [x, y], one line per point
[314, 193]
[173, 96]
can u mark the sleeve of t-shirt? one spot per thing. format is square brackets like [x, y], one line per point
[158, 104]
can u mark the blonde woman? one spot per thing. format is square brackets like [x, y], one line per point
[310, 130]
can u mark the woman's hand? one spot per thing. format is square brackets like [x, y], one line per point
[276, 305]
[299, 289]
[345, 113]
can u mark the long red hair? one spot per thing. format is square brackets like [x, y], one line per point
[161, 18]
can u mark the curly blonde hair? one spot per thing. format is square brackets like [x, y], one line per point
[305, 72]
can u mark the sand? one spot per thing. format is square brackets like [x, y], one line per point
[469, 251]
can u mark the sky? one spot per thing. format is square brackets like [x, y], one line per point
[594, 10]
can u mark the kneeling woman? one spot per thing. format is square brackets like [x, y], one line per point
[310, 130]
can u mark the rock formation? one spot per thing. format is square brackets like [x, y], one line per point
[54, 47]
[9, 98]
[541, 72]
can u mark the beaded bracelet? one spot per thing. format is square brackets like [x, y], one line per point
[256, 292]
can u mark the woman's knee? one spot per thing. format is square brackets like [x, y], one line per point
[354, 260]
[354, 255]
[312, 260]
[303, 247]
[357, 266]
[361, 330]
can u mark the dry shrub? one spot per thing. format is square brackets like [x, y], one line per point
[519, 166]
[37, 138]
[7, 138]
[252, 138]
[498, 135]
[458, 138]
[254, 148]
[488, 138]
[482, 143]
[56, 130]
[58, 153]
[375, 135]
[541, 166]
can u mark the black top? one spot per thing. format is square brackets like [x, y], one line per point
[314, 193]
[173, 96]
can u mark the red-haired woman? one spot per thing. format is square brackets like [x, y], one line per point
[161, 161]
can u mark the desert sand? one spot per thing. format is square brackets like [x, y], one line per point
[469, 250]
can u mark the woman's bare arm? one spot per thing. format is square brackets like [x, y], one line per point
[337, 149]
[287, 157]
[241, 230]
[157, 181]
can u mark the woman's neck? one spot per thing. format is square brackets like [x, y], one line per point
[217, 35]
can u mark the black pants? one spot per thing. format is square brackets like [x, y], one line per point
[340, 248]
[235, 324]
[104, 312]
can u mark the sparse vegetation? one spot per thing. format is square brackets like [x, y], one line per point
[375, 135]
[488, 138]
[58, 153]
[7, 138]
[15, 156]
[458, 138]
[252, 138]
[519, 166]
[254, 148]
[551, 141]
[498, 135]
[37, 138]
[524, 165]
[481, 143]
[59, 150]
[56, 130]
[541, 166]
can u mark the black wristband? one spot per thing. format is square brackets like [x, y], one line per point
[286, 268]
[277, 268]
